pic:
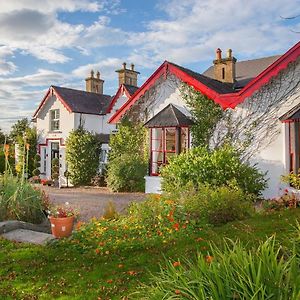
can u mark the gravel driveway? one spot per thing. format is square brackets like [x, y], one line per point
[91, 201]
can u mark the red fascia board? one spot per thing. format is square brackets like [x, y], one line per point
[51, 89]
[62, 100]
[42, 103]
[122, 89]
[140, 92]
[263, 78]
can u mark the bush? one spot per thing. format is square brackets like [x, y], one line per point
[36, 164]
[219, 167]
[126, 173]
[230, 273]
[287, 200]
[20, 201]
[82, 156]
[218, 205]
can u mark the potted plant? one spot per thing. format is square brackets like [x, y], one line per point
[62, 219]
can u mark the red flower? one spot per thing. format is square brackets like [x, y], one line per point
[177, 292]
[176, 226]
[176, 264]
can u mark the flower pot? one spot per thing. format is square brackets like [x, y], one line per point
[61, 227]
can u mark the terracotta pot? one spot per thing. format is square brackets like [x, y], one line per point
[61, 227]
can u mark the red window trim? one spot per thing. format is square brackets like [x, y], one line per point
[164, 151]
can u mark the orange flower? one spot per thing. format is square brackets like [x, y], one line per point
[27, 146]
[97, 251]
[176, 264]
[199, 239]
[177, 292]
[109, 281]
[176, 226]
[132, 273]
[79, 224]
[209, 258]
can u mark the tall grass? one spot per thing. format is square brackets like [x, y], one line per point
[230, 273]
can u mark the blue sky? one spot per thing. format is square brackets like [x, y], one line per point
[59, 41]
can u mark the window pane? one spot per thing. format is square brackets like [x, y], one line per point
[184, 138]
[170, 136]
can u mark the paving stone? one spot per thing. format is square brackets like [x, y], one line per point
[28, 236]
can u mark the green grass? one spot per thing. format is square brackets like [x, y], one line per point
[36, 272]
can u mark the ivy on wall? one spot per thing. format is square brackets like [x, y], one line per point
[205, 113]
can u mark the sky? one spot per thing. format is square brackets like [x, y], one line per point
[58, 42]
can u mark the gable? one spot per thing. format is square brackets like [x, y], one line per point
[225, 96]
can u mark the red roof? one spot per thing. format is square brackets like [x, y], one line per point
[210, 89]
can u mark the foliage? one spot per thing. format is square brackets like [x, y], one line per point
[19, 200]
[128, 158]
[205, 112]
[287, 200]
[110, 211]
[19, 129]
[27, 144]
[292, 179]
[230, 273]
[2, 137]
[62, 211]
[100, 178]
[130, 138]
[218, 205]
[26, 269]
[218, 167]
[82, 156]
[55, 169]
[36, 164]
[126, 173]
[11, 158]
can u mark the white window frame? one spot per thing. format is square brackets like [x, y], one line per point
[54, 117]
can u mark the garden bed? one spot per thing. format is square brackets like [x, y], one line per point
[34, 272]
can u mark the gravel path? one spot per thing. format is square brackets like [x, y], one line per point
[91, 201]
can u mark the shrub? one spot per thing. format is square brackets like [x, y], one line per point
[126, 173]
[230, 273]
[292, 179]
[20, 201]
[110, 211]
[37, 164]
[82, 156]
[287, 200]
[218, 167]
[218, 205]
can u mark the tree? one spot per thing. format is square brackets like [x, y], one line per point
[82, 155]
[18, 129]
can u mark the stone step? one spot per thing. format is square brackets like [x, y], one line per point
[28, 236]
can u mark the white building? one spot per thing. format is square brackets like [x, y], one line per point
[63, 110]
[261, 94]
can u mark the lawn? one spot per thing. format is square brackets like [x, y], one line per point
[36, 272]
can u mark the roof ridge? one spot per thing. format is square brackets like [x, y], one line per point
[83, 91]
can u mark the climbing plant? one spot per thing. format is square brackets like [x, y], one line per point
[205, 112]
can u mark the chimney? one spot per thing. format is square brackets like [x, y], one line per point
[94, 85]
[224, 68]
[128, 76]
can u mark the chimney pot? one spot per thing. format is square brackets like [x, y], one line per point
[92, 73]
[98, 75]
[229, 53]
[124, 65]
[218, 54]
[132, 67]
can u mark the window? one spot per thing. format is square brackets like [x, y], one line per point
[54, 120]
[165, 143]
[294, 149]
[44, 160]
[223, 73]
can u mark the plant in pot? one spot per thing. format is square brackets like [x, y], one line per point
[55, 171]
[62, 219]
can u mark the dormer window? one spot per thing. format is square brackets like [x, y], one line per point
[54, 120]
